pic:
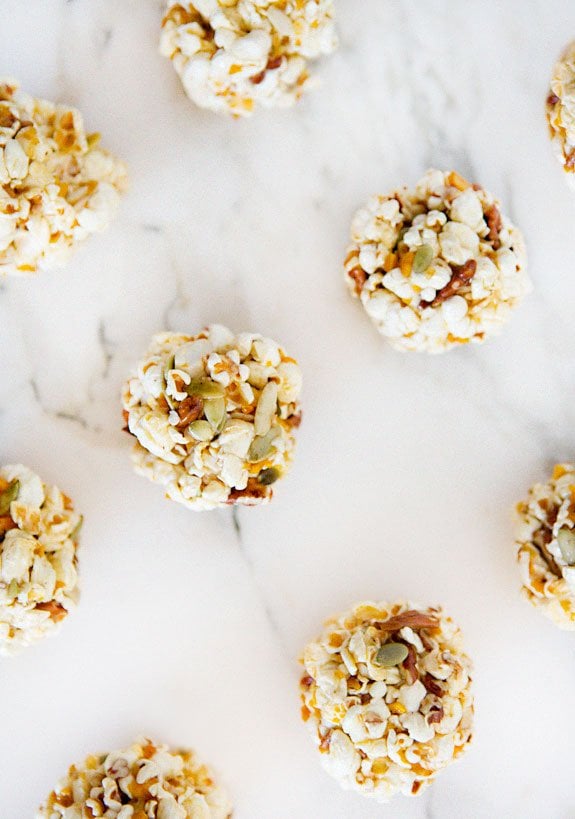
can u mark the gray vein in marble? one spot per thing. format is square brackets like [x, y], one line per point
[107, 347]
[251, 568]
[62, 415]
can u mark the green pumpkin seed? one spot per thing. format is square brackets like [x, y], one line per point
[13, 589]
[262, 446]
[202, 430]
[215, 412]
[205, 388]
[391, 654]
[269, 476]
[76, 531]
[566, 542]
[400, 236]
[422, 259]
[8, 495]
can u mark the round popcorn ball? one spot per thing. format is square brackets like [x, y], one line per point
[146, 781]
[234, 55]
[437, 266]
[546, 546]
[56, 185]
[38, 542]
[214, 416]
[387, 692]
[561, 111]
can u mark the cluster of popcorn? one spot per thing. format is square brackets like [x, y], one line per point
[234, 55]
[546, 541]
[561, 111]
[56, 185]
[38, 543]
[387, 690]
[145, 781]
[214, 416]
[438, 266]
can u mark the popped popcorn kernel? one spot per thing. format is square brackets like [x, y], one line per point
[57, 185]
[38, 558]
[236, 55]
[437, 266]
[144, 780]
[545, 536]
[560, 108]
[386, 690]
[214, 416]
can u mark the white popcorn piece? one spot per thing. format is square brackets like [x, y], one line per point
[234, 56]
[145, 779]
[437, 266]
[561, 111]
[58, 185]
[385, 722]
[38, 558]
[545, 539]
[214, 416]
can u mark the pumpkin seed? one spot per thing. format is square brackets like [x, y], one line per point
[76, 531]
[261, 446]
[201, 430]
[13, 589]
[215, 412]
[266, 409]
[269, 476]
[566, 542]
[8, 495]
[391, 654]
[205, 388]
[400, 236]
[422, 259]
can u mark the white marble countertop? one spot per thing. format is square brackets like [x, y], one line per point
[407, 467]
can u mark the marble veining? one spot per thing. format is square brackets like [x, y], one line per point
[407, 466]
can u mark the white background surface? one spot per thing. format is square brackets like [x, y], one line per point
[407, 467]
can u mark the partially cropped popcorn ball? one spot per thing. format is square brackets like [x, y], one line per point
[546, 541]
[144, 781]
[561, 111]
[235, 55]
[57, 186]
[38, 543]
[387, 692]
[214, 416]
[437, 266]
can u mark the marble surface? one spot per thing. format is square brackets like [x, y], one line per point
[407, 467]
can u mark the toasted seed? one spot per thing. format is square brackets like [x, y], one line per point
[391, 654]
[76, 530]
[8, 495]
[215, 412]
[205, 388]
[266, 408]
[423, 258]
[13, 589]
[262, 445]
[201, 430]
[269, 476]
[566, 542]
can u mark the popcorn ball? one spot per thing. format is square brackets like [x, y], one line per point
[438, 266]
[234, 55]
[546, 541]
[145, 781]
[57, 186]
[38, 542]
[561, 111]
[214, 416]
[387, 691]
